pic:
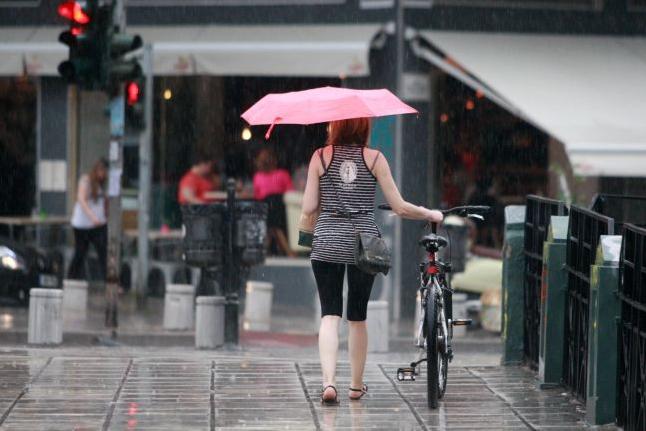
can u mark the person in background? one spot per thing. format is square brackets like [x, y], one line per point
[197, 182]
[270, 184]
[89, 219]
[489, 231]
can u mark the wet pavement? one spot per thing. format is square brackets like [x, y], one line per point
[170, 389]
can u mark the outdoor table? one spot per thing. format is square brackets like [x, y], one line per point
[31, 221]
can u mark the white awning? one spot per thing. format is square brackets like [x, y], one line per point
[253, 50]
[589, 92]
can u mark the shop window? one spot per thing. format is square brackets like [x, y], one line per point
[17, 146]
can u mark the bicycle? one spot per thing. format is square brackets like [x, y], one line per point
[435, 328]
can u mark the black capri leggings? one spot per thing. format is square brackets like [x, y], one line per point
[329, 279]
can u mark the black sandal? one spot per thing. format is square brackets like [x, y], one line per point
[363, 390]
[330, 401]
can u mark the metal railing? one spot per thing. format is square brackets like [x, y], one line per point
[537, 219]
[622, 209]
[585, 228]
[631, 408]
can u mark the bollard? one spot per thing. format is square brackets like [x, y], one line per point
[513, 268]
[257, 310]
[378, 327]
[459, 307]
[209, 322]
[75, 297]
[178, 306]
[45, 316]
[553, 295]
[605, 311]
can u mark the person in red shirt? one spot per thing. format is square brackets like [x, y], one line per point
[196, 183]
[269, 185]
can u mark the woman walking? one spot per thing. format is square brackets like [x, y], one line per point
[89, 220]
[340, 190]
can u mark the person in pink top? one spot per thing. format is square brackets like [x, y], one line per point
[270, 184]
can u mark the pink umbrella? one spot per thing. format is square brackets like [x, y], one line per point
[321, 105]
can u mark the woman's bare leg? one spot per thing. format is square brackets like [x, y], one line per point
[358, 350]
[328, 350]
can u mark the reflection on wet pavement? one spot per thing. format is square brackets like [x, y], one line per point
[232, 393]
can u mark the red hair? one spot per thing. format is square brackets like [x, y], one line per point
[353, 132]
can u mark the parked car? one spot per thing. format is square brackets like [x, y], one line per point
[23, 267]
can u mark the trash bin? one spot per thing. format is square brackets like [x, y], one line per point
[250, 231]
[202, 227]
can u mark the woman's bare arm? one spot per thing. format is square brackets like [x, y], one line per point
[401, 207]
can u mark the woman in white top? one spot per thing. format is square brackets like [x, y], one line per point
[89, 219]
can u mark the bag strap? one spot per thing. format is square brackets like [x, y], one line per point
[374, 162]
[322, 161]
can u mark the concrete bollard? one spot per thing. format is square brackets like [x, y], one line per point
[45, 316]
[257, 310]
[75, 297]
[459, 301]
[378, 327]
[178, 306]
[209, 322]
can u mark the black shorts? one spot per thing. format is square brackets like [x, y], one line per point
[329, 279]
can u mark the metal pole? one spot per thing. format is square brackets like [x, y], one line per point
[400, 31]
[117, 126]
[117, 113]
[231, 335]
[145, 180]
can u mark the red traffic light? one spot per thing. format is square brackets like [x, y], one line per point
[73, 11]
[132, 93]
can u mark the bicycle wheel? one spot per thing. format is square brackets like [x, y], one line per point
[432, 374]
[443, 367]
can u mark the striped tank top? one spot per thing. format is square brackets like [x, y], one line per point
[334, 234]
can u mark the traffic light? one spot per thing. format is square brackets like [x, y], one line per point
[135, 110]
[120, 67]
[84, 62]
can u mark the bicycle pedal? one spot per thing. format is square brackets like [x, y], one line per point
[406, 374]
[461, 322]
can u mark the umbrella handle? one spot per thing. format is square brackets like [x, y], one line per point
[273, 123]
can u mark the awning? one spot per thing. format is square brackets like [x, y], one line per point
[588, 92]
[253, 50]
[30, 50]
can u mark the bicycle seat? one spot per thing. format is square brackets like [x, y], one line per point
[433, 242]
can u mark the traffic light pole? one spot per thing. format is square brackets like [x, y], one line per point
[117, 131]
[145, 177]
[117, 125]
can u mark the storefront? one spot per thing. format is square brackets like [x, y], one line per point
[578, 119]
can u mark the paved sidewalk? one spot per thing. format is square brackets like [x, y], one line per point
[137, 389]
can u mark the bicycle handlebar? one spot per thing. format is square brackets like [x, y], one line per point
[461, 211]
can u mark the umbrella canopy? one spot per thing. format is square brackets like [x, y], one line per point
[324, 104]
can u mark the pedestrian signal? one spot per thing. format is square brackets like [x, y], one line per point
[135, 110]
